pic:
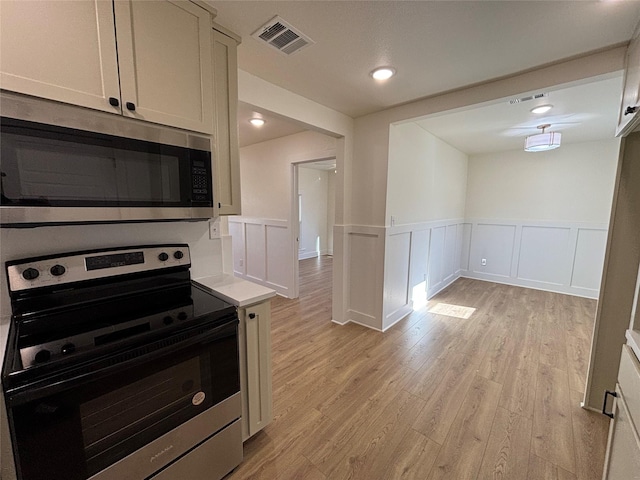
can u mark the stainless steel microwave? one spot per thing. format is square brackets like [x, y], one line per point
[63, 164]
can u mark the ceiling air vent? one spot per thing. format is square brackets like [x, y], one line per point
[526, 99]
[282, 36]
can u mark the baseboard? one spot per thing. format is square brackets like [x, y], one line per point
[398, 315]
[545, 287]
[452, 279]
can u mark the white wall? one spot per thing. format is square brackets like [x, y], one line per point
[426, 189]
[263, 251]
[427, 178]
[269, 97]
[540, 219]
[572, 183]
[265, 171]
[313, 186]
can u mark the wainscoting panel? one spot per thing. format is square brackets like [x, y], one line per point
[255, 253]
[554, 256]
[451, 252]
[495, 244]
[465, 251]
[364, 295]
[589, 259]
[544, 252]
[436, 259]
[420, 260]
[262, 252]
[397, 297]
[279, 273]
[419, 266]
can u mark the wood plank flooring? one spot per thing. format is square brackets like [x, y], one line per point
[495, 396]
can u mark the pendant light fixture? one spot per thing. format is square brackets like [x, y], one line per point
[541, 142]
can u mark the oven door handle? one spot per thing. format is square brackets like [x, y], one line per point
[108, 365]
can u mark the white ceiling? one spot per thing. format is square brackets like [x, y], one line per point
[274, 127]
[435, 46]
[581, 113]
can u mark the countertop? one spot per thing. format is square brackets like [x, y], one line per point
[236, 291]
[633, 339]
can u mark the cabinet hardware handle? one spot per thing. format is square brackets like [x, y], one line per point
[219, 205]
[630, 110]
[114, 102]
[252, 316]
[131, 106]
[604, 403]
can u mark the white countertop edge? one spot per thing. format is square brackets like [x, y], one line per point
[236, 291]
[633, 339]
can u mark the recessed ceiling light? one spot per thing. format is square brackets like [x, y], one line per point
[256, 122]
[383, 73]
[542, 109]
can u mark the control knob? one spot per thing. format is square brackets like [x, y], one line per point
[178, 254]
[57, 270]
[167, 320]
[68, 348]
[30, 274]
[163, 257]
[42, 356]
[182, 316]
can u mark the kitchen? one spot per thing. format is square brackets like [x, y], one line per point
[213, 252]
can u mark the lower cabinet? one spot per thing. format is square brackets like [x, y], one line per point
[622, 461]
[255, 367]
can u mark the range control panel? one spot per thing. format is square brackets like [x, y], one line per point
[89, 265]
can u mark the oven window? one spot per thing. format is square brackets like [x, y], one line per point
[118, 414]
[106, 414]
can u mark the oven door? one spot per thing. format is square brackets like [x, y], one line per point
[75, 424]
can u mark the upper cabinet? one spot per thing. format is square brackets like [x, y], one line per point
[164, 55]
[63, 51]
[630, 107]
[66, 51]
[225, 99]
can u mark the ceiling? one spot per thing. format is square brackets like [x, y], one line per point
[582, 113]
[274, 126]
[435, 46]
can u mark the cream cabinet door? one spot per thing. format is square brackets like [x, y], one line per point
[255, 367]
[623, 449]
[227, 160]
[630, 106]
[62, 50]
[164, 55]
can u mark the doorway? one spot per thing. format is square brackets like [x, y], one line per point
[312, 211]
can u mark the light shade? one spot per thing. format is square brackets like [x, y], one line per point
[542, 141]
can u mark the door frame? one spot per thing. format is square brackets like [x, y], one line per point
[295, 215]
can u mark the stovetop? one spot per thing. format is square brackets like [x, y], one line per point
[58, 323]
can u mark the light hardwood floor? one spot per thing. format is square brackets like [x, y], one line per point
[495, 396]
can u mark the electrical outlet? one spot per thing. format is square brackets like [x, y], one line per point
[484, 262]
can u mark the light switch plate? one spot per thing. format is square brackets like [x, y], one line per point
[214, 228]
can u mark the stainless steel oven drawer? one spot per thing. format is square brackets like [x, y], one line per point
[174, 445]
[211, 460]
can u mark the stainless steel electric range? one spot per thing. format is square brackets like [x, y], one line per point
[118, 367]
